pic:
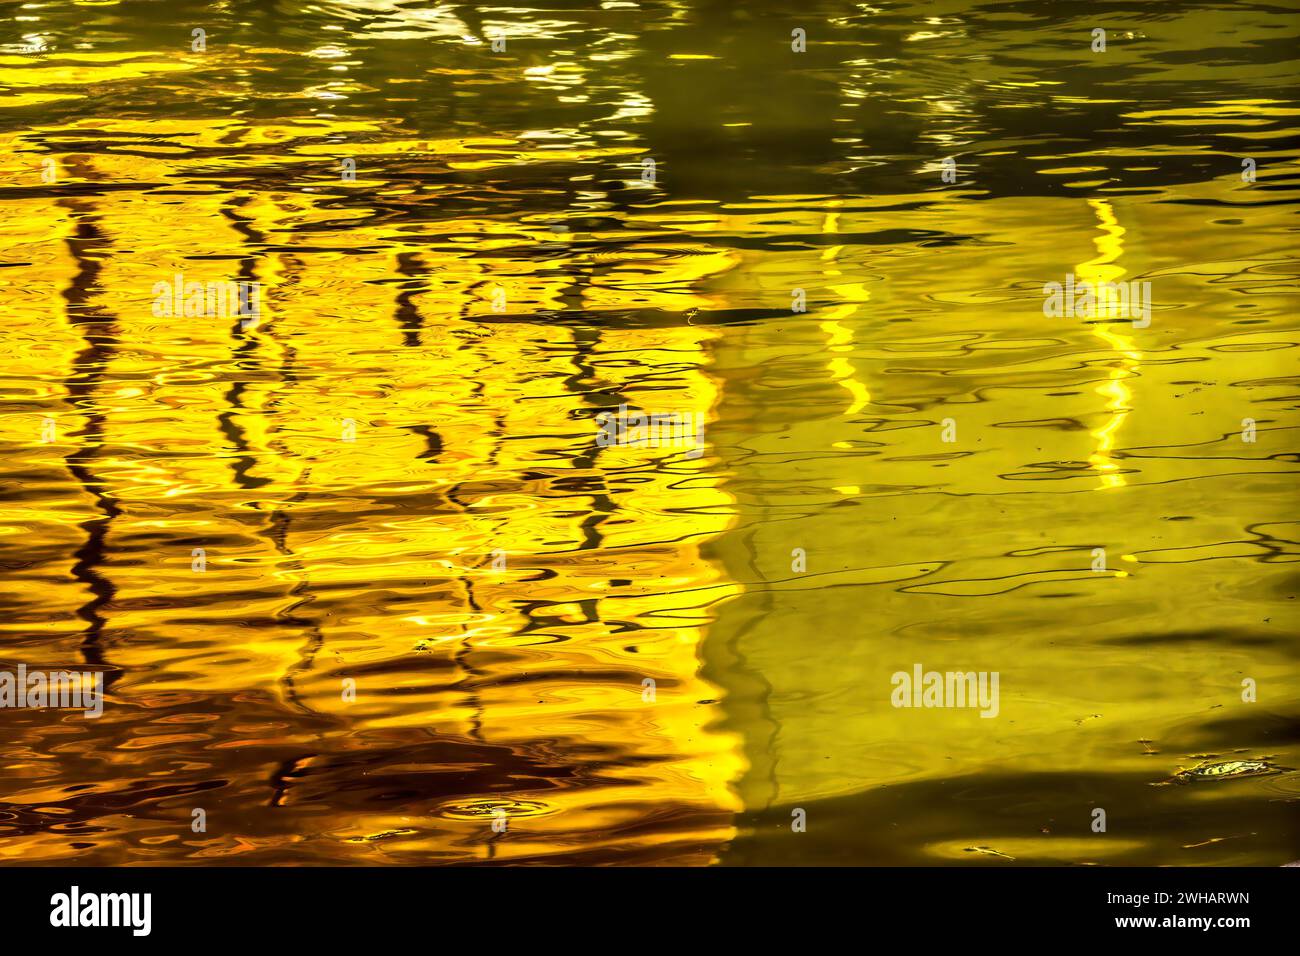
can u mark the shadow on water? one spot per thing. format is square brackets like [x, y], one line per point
[983, 820]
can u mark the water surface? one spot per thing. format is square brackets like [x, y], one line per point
[395, 479]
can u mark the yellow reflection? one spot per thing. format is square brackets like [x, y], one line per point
[1097, 271]
[365, 552]
[840, 336]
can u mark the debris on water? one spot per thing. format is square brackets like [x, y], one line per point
[988, 852]
[1224, 770]
[376, 837]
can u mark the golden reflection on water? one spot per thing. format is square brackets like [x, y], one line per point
[1098, 272]
[393, 479]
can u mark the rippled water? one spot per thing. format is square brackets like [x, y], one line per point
[430, 598]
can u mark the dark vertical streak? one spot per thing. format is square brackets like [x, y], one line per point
[88, 247]
[411, 322]
[279, 522]
[408, 316]
[245, 356]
